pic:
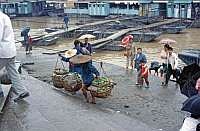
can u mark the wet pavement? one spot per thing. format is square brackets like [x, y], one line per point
[128, 107]
[49, 110]
[157, 107]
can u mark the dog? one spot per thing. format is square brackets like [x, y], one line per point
[155, 66]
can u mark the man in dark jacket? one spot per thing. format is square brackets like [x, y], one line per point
[87, 45]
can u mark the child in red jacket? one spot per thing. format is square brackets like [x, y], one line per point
[144, 75]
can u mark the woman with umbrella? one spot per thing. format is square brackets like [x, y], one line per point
[127, 42]
[164, 55]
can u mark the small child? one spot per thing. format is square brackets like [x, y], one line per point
[144, 75]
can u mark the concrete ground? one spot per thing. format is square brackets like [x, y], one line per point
[129, 107]
[49, 110]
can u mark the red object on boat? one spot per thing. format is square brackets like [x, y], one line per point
[126, 39]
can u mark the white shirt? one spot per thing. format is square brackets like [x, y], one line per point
[189, 124]
[173, 60]
[163, 56]
[7, 42]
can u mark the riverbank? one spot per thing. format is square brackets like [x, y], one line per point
[157, 107]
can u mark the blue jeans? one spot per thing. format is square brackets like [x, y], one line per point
[9, 64]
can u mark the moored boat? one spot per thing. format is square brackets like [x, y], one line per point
[145, 36]
[47, 41]
[190, 56]
[173, 29]
[114, 46]
[50, 30]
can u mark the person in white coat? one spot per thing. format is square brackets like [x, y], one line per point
[7, 56]
[172, 68]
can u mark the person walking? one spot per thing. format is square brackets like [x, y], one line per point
[29, 45]
[7, 56]
[130, 52]
[164, 56]
[172, 65]
[139, 59]
[144, 75]
[66, 21]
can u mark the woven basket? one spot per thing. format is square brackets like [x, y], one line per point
[104, 94]
[72, 82]
[104, 87]
[58, 76]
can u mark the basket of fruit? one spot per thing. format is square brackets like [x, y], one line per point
[58, 76]
[102, 87]
[72, 82]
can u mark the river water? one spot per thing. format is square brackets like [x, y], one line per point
[189, 38]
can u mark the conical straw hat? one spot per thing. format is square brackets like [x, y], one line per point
[80, 59]
[70, 53]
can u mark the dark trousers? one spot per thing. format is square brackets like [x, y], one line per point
[170, 72]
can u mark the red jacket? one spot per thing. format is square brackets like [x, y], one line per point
[144, 71]
[30, 40]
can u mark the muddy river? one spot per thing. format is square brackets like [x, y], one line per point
[189, 38]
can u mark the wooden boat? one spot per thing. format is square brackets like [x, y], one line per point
[196, 24]
[190, 56]
[101, 34]
[172, 29]
[50, 30]
[56, 12]
[114, 46]
[145, 36]
[47, 41]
